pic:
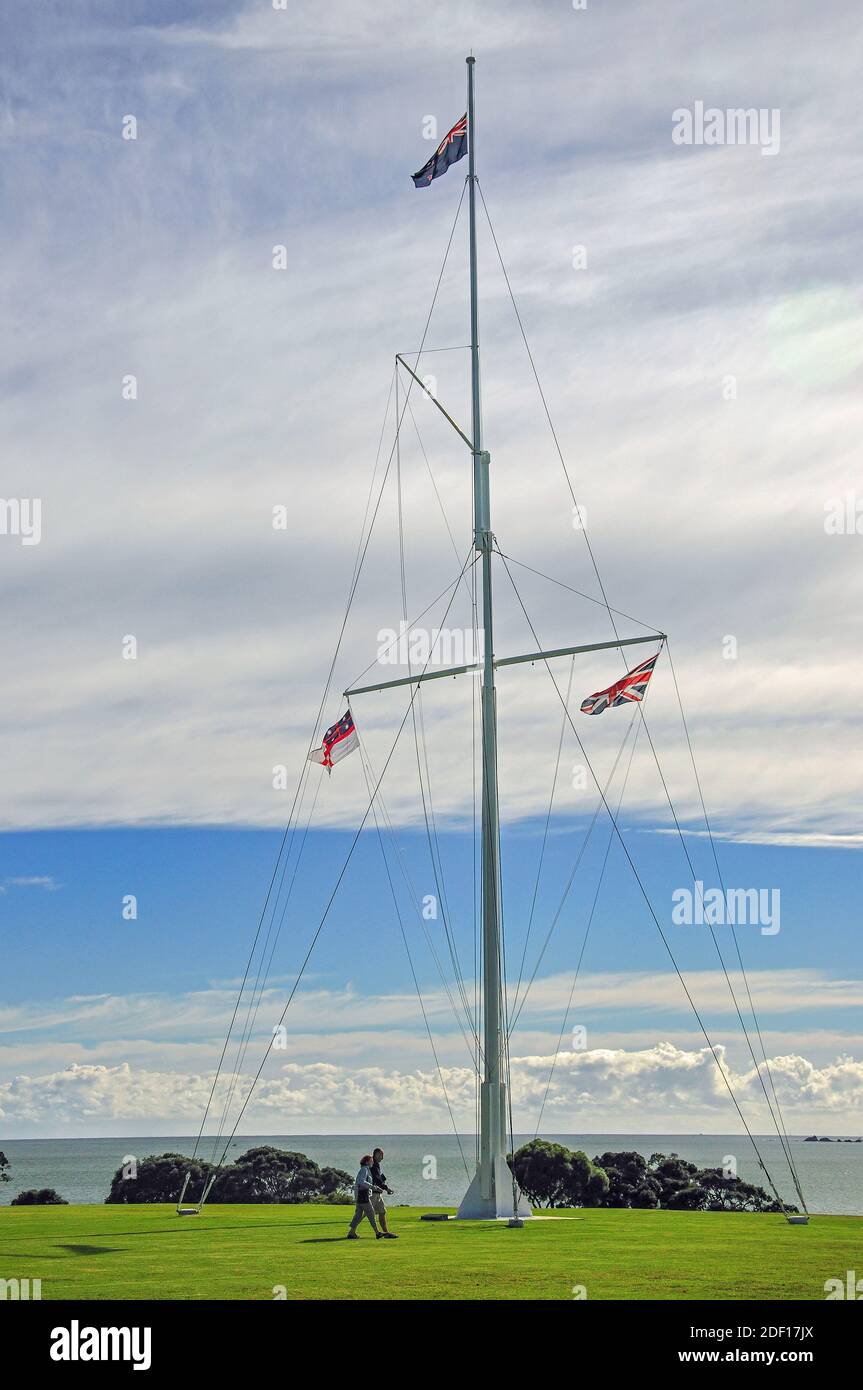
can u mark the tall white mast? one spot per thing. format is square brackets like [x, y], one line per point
[492, 1192]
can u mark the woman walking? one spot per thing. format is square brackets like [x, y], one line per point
[363, 1197]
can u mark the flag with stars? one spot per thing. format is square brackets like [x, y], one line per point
[451, 149]
[339, 741]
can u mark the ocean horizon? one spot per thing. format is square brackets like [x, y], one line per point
[433, 1169]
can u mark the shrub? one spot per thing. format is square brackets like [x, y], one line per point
[39, 1197]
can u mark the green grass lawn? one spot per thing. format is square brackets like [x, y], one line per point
[119, 1252]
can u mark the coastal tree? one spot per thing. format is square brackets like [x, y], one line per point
[262, 1174]
[268, 1174]
[724, 1193]
[630, 1184]
[551, 1175]
[158, 1178]
[674, 1175]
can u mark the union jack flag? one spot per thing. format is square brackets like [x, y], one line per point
[451, 149]
[339, 741]
[630, 687]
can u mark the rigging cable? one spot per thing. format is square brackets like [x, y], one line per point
[475, 637]
[589, 597]
[419, 733]
[262, 978]
[649, 905]
[362, 550]
[783, 1138]
[287, 831]
[327, 909]
[593, 907]
[544, 837]
[735, 938]
[418, 730]
[578, 860]
[412, 969]
[468, 1035]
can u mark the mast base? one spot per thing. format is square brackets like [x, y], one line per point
[499, 1203]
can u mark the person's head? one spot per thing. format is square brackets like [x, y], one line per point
[365, 1161]
[378, 1155]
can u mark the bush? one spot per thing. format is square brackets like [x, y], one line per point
[39, 1197]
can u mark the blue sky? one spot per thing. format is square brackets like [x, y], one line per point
[259, 388]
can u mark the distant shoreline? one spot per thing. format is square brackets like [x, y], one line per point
[362, 1134]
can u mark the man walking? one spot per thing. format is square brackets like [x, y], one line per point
[379, 1187]
[363, 1196]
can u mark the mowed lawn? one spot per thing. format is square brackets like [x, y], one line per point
[254, 1252]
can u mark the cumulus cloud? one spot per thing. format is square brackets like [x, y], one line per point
[97, 1064]
[596, 1090]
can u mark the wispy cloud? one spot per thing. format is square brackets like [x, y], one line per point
[700, 270]
[617, 1000]
[793, 839]
[32, 881]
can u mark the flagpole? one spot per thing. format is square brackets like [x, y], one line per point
[474, 295]
[492, 1192]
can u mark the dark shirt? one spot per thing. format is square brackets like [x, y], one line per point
[379, 1180]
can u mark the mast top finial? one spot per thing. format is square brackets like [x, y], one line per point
[471, 59]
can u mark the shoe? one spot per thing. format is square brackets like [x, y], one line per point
[352, 1235]
[390, 1235]
[379, 1235]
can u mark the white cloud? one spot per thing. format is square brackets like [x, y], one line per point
[149, 1059]
[257, 388]
[602, 1089]
[32, 881]
[791, 839]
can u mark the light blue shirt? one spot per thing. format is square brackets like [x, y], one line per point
[363, 1179]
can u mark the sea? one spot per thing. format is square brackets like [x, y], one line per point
[432, 1170]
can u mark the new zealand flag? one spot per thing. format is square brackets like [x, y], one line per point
[452, 148]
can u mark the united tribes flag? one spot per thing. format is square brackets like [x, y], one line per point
[338, 742]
